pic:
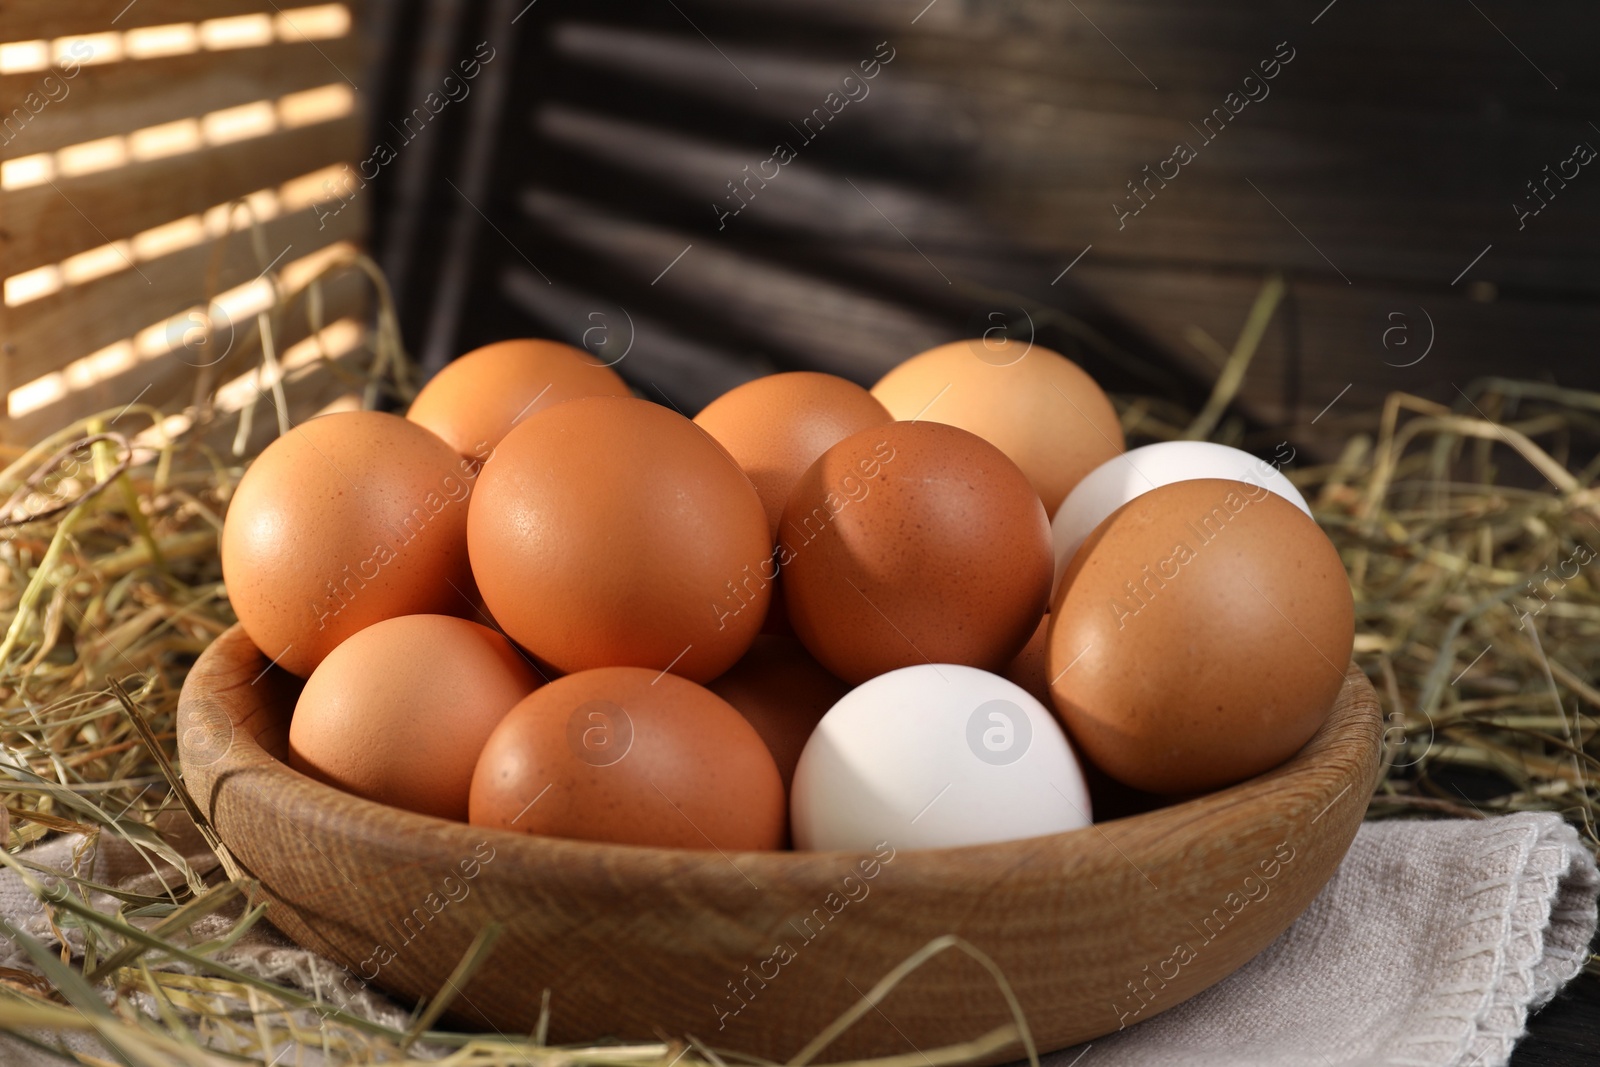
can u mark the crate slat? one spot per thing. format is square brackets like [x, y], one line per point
[791, 313]
[77, 214]
[309, 390]
[46, 224]
[167, 381]
[27, 20]
[47, 333]
[119, 97]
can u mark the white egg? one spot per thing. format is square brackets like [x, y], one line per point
[935, 756]
[1136, 472]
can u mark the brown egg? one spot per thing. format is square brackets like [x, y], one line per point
[784, 693]
[1029, 668]
[613, 532]
[914, 543]
[1200, 636]
[400, 712]
[1039, 408]
[775, 427]
[777, 623]
[344, 521]
[476, 399]
[633, 757]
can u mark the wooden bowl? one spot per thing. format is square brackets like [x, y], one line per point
[758, 952]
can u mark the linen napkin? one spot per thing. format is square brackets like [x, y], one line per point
[1428, 948]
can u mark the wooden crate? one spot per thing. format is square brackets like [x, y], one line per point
[131, 136]
[986, 161]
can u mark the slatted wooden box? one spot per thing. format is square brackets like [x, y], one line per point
[1382, 177]
[137, 143]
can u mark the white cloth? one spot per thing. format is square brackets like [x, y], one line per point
[1429, 947]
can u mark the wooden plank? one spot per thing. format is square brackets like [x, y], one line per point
[1045, 150]
[82, 213]
[692, 173]
[48, 333]
[167, 382]
[1339, 340]
[308, 389]
[1195, 52]
[27, 20]
[651, 355]
[7, 379]
[120, 97]
[785, 311]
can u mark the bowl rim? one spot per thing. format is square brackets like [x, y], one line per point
[1016, 899]
[1345, 749]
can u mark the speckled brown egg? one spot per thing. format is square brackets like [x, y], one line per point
[475, 400]
[775, 427]
[610, 532]
[1038, 407]
[400, 712]
[914, 543]
[784, 693]
[344, 521]
[631, 756]
[1200, 636]
[1030, 667]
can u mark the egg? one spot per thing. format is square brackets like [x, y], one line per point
[784, 693]
[630, 756]
[346, 520]
[912, 543]
[475, 400]
[1030, 667]
[612, 532]
[935, 756]
[1119, 480]
[777, 623]
[1200, 636]
[1039, 408]
[400, 712]
[775, 427]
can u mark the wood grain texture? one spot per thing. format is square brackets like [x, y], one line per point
[630, 939]
[646, 349]
[26, 20]
[52, 331]
[82, 213]
[167, 381]
[1389, 153]
[112, 98]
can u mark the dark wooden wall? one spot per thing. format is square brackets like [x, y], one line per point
[985, 157]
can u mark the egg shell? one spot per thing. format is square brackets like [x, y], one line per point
[777, 624]
[935, 756]
[400, 712]
[1030, 667]
[346, 520]
[630, 756]
[784, 693]
[776, 426]
[613, 532]
[1200, 636]
[1039, 408]
[912, 543]
[475, 400]
[1122, 478]
[1112, 799]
